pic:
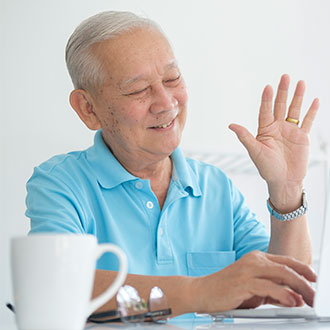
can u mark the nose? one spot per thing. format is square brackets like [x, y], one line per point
[163, 100]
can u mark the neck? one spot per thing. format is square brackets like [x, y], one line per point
[156, 168]
[152, 170]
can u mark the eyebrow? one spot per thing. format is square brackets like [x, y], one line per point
[130, 81]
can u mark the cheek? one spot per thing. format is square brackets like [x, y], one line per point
[136, 112]
[182, 95]
[110, 122]
[120, 118]
[182, 98]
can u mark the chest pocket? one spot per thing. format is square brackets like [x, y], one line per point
[205, 263]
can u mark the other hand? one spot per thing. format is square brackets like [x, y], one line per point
[257, 278]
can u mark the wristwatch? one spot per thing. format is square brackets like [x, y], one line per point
[292, 215]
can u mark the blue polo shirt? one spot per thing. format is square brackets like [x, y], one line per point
[203, 226]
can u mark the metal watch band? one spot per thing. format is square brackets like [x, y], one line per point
[292, 215]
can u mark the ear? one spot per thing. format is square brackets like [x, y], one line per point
[82, 104]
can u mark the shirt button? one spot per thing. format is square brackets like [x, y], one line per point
[160, 231]
[150, 205]
[139, 185]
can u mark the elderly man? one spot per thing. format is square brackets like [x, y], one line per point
[182, 223]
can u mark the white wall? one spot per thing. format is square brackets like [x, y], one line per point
[228, 51]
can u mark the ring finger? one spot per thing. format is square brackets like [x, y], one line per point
[295, 106]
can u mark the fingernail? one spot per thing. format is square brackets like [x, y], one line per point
[314, 272]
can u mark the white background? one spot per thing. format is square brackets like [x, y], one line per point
[228, 51]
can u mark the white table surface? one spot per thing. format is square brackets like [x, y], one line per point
[239, 324]
[206, 325]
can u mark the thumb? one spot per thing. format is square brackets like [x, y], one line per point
[246, 138]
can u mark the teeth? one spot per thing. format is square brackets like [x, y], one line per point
[165, 125]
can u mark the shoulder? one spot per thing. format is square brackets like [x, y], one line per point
[68, 168]
[62, 161]
[205, 171]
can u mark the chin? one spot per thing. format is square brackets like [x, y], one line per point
[169, 148]
[164, 147]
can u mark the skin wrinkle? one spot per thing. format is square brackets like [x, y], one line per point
[143, 101]
[127, 83]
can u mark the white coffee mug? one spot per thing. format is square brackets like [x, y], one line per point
[53, 276]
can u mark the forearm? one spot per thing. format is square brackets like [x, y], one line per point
[178, 289]
[291, 238]
[255, 278]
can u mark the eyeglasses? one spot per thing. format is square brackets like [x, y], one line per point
[133, 309]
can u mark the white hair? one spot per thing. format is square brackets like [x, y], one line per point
[84, 67]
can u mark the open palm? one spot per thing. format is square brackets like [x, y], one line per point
[280, 150]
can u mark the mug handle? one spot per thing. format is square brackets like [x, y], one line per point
[119, 280]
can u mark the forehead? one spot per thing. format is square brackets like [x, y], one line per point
[136, 53]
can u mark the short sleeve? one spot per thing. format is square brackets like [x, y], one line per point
[51, 205]
[249, 233]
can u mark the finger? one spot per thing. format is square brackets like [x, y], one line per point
[285, 275]
[281, 97]
[269, 300]
[310, 116]
[273, 291]
[299, 267]
[265, 111]
[295, 106]
[246, 138]
[282, 270]
[253, 302]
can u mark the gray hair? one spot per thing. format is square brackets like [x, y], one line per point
[84, 67]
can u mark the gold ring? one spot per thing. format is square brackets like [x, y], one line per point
[292, 120]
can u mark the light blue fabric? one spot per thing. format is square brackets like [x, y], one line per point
[203, 227]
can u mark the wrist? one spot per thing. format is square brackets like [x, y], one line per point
[296, 213]
[187, 300]
[197, 294]
[285, 199]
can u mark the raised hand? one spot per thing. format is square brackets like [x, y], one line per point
[280, 150]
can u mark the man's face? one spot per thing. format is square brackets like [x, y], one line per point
[142, 104]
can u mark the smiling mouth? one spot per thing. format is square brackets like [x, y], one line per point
[164, 125]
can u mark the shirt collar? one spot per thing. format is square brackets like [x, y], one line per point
[183, 174]
[110, 173]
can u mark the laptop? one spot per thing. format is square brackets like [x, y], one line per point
[320, 310]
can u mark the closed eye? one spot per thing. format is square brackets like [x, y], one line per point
[140, 91]
[174, 79]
